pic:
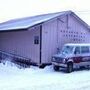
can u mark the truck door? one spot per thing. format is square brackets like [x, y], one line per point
[77, 58]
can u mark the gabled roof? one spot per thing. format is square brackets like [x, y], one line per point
[27, 22]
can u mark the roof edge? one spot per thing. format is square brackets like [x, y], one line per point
[80, 20]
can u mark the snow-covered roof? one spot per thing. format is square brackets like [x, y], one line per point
[77, 44]
[27, 22]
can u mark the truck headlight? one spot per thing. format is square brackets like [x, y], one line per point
[64, 60]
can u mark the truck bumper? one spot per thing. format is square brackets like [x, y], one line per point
[59, 64]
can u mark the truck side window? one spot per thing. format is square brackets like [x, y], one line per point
[84, 49]
[77, 50]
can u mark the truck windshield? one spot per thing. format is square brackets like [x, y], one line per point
[67, 50]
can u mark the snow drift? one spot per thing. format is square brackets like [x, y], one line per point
[33, 78]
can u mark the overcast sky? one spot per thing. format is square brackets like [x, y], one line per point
[10, 9]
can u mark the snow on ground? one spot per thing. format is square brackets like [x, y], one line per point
[33, 78]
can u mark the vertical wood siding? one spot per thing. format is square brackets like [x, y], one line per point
[21, 43]
[49, 40]
[56, 33]
[81, 33]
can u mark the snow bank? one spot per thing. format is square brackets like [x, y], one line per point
[33, 78]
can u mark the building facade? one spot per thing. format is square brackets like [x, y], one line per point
[39, 37]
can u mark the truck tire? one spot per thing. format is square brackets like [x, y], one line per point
[69, 67]
[56, 68]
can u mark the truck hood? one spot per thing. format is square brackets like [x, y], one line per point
[62, 55]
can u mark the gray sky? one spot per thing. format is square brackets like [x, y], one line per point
[10, 9]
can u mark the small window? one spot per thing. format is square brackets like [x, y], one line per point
[74, 35]
[84, 49]
[36, 40]
[74, 39]
[63, 31]
[77, 50]
[79, 40]
[66, 35]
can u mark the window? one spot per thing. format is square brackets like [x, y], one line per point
[36, 40]
[71, 35]
[74, 36]
[84, 49]
[67, 49]
[74, 39]
[66, 35]
[71, 32]
[63, 31]
[77, 50]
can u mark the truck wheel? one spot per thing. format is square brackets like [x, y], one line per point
[56, 68]
[69, 67]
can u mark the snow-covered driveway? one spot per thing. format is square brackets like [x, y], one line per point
[12, 78]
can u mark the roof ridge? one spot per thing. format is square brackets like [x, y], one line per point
[33, 20]
[16, 19]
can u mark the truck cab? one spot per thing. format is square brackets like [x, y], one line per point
[72, 56]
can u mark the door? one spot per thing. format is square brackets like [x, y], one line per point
[77, 58]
